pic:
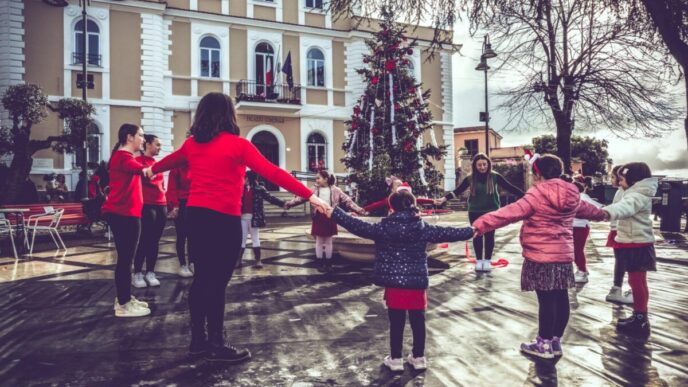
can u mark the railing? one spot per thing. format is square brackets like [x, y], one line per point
[93, 59]
[259, 92]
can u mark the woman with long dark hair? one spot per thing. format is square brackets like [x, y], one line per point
[217, 158]
[153, 217]
[122, 210]
[484, 186]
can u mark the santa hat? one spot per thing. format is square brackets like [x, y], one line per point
[531, 158]
[404, 187]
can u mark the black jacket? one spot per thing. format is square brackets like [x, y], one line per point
[260, 194]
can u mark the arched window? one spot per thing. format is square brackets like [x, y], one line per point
[265, 66]
[93, 150]
[92, 51]
[317, 157]
[316, 67]
[210, 57]
[411, 68]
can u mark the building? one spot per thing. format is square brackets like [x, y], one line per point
[152, 60]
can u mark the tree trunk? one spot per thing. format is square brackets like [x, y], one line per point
[564, 141]
[16, 176]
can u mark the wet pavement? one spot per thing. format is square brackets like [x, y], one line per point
[305, 328]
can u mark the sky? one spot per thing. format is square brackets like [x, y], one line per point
[665, 156]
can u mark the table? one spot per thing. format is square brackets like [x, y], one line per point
[18, 214]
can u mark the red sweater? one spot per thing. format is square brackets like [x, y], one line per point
[126, 196]
[153, 189]
[178, 184]
[218, 168]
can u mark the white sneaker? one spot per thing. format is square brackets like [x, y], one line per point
[134, 300]
[185, 272]
[487, 265]
[137, 281]
[150, 278]
[131, 309]
[615, 295]
[581, 277]
[627, 297]
[394, 364]
[479, 265]
[418, 363]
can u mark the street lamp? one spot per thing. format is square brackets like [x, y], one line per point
[487, 53]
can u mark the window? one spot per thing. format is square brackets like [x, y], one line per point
[316, 68]
[92, 51]
[93, 151]
[210, 57]
[265, 63]
[316, 146]
[471, 147]
[314, 4]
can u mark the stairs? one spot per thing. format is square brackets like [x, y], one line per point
[272, 211]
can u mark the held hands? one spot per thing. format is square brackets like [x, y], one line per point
[476, 232]
[148, 173]
[319, 204]
[439, 202]
[329, 212]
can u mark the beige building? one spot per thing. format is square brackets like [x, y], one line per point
[151, 61]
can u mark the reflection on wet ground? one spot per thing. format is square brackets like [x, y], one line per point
[305, 328]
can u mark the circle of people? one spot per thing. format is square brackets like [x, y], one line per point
[216, 204]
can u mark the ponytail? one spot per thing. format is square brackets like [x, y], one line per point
[123, 133]
[330, 177]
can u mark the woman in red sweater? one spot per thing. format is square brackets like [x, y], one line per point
[153, 217]
[217, 158]
[122, 210]
[179, 182]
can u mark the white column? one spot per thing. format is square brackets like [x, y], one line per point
[11, 47]
[448, 116]
[154, 65]
[355, 86]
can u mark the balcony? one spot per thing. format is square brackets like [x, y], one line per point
[259, 97]
[93, 59]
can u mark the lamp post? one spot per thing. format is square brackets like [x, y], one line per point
[487, 53]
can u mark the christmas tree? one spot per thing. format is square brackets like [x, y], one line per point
[389, 119]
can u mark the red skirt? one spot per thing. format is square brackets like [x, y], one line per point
[408, 299]
[323, 226]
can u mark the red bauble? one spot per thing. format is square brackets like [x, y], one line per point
[412, 90]
[390, 64]
[354, 125]
[408, 146]
[397, 106]
[374, 80]
[409, 51]
[366, 60]
[357, 110]
[395, 88]
[410, 125]
[376, 130]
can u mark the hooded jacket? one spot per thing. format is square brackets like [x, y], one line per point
[547, 211]
[401, 241]
[633, 212]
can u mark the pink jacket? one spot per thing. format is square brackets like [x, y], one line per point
[547, 211]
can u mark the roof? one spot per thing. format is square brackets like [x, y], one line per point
[476, 129]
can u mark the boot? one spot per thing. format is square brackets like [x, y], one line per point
[256, 254]
[218, 351]
[637, 325]
[241, 256]
[321, 265]
[199, 341]
[328, 265]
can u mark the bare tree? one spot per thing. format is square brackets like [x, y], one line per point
[604, 65]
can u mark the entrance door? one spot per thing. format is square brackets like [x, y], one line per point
[268, 146]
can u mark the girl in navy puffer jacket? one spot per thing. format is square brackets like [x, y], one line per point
[401, 267]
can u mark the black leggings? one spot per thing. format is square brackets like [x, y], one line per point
[618, 271]
[182, 233]
[488, 238]
[397, 320]
[554, 312]
[126, 231]
[153, 219]
[214, 242]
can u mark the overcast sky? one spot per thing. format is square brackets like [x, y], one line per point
[666, 155]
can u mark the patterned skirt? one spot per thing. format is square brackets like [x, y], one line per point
[637, 258]
[546, 276]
